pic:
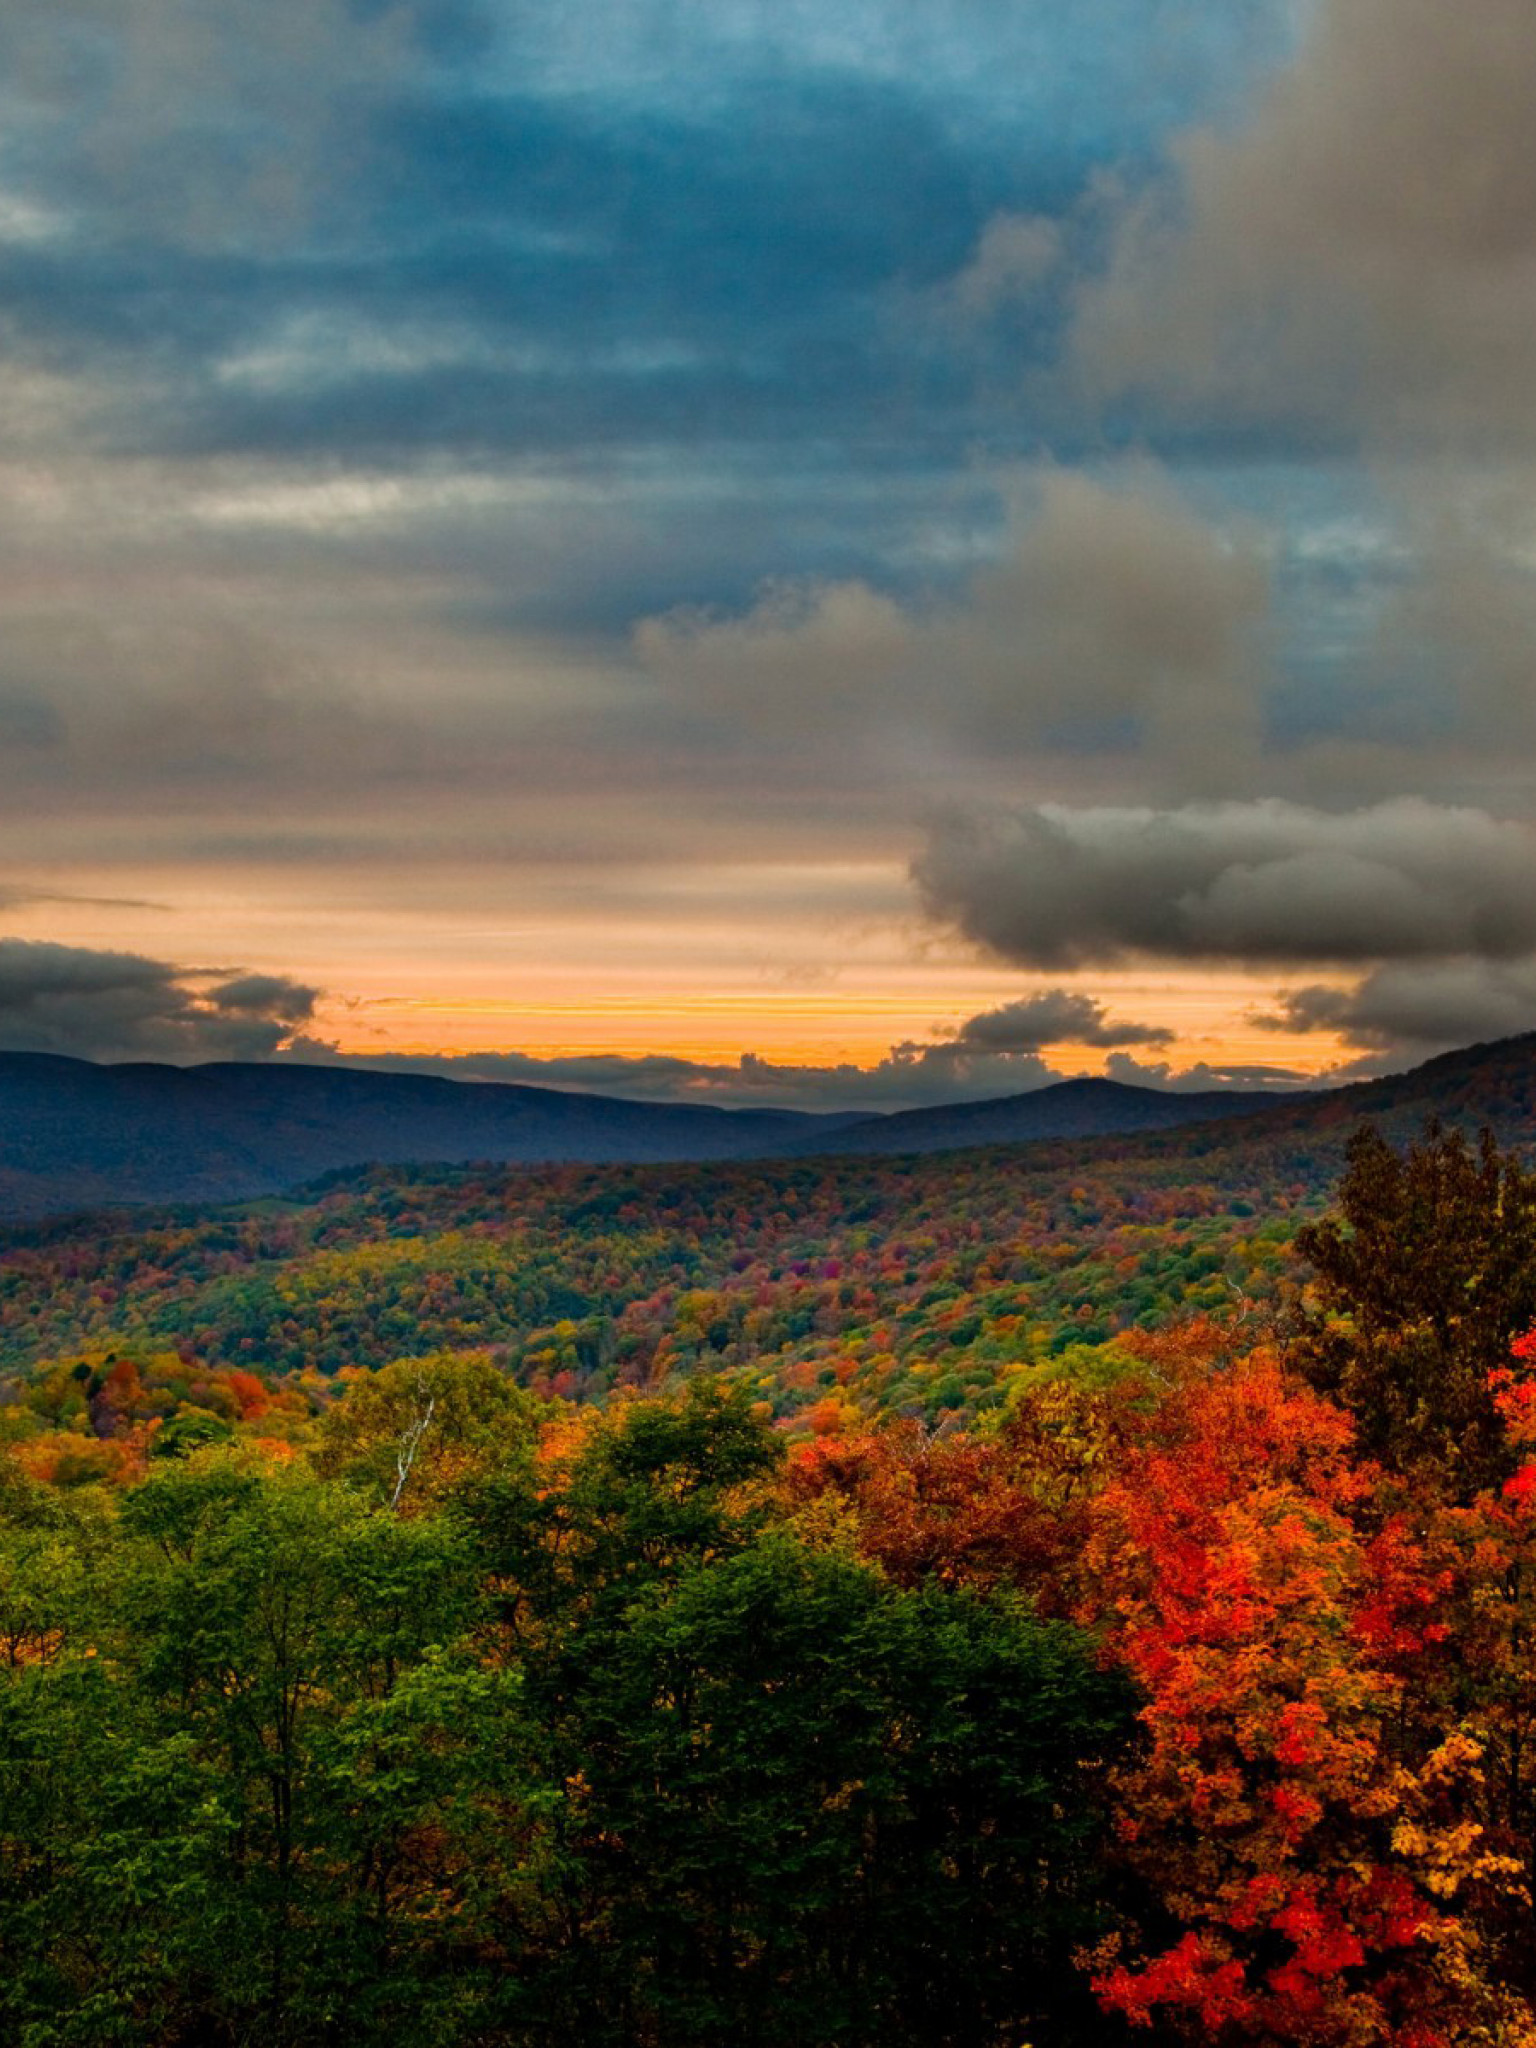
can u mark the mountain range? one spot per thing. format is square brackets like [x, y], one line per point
[75, 1135]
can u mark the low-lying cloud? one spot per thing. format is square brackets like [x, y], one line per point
[1411, 1011]
[1257, 882]
[1055, 1017]
[996, 1052]
[1204, 1076]
[99, 1005]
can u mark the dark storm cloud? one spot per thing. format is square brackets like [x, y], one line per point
[1256, 882]
[123, 1006]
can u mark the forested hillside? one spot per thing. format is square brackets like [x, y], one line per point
[76, 1135]
[1187, 1698]
[1075, 1594]
[829, 1288]
[921, 1287]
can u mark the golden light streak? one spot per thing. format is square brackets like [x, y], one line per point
[799, 966]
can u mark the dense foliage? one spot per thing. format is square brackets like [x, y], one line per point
[1181, 1691]
[585, 1743]
[827, 1289]
[1413, 1352]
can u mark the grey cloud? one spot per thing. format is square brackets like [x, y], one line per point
[13, 895]
[1419, 1008]
[102, 1005]
[1265, 881]
[1055, 1017]
[155, 661]
[1116, 618]
[1016, 252]
[1317, 1007]
[1467, 618]
[1202, 1076]
[1364, 244]
[215, 125]
[183, 692]
[274, 997]
[28, 722]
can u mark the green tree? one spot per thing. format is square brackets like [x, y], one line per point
[241, 1796]
[796, 1804]
[419, 1426]
[1424, 1276]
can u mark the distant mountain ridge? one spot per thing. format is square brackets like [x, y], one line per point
[1087, 1107]
[74, 1135]
[1492, 1085]
[970, 1264]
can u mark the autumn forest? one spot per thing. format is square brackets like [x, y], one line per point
[1065, 1597]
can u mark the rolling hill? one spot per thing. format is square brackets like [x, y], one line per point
[1083, 1108]
[79, 1136]
[75, 1136]
[924, 1284]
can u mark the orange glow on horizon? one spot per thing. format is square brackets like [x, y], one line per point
[803, 1030]
[554, 967]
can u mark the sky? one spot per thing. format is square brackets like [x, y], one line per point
[769, 553]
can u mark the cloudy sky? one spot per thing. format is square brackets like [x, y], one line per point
[783, 552]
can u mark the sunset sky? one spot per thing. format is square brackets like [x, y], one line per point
[815, 551]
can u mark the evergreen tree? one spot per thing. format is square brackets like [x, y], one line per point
[1423, 1278]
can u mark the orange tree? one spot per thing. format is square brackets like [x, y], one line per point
[1307, 1865]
